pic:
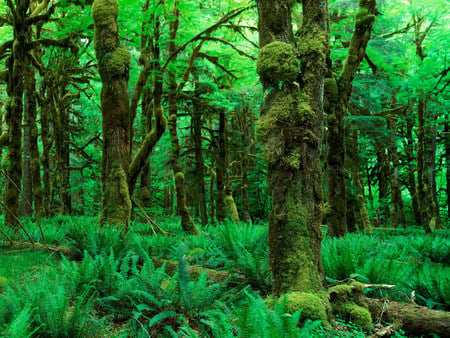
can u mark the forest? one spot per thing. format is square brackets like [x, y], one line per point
[228, 168]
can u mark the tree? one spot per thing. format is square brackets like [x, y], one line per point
[113, 65]
[338, 90]
[290, 129]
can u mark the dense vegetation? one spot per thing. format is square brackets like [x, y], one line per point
[224, 168]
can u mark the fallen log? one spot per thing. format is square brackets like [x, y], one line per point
[195, 271]
[170, 266]
[69, 252]
[415, 320]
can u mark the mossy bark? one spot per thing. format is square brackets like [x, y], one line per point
[413, 319]
[30, 85]
[14, 112]
[27, 189]
[359, 208]
[412, 167]
[423, 188]
[221, 165]
[337, 92]
[113, 66]
[187, 223]
[290, 129]
[199, 180]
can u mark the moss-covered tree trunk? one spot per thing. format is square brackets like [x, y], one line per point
[27, 189]
[113, 66]
[187, 223]
[45, 158]
[447, 163]
[14, 111]
[338, 91]
[221, 164]
[397, 207]
[359, 198]
[199, 180]
[423, 189]
[290, 129]
[412, 167]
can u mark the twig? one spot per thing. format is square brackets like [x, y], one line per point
[29, 204]
[379, 286]
[7, 237]
[149, 220]
[18, 221]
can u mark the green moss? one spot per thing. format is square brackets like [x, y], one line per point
[3, 282]
[117, 62]
[314, 41]
[293, 160]
[348, 302]
[179, 176]
[357, 314]
[285, 109]
[331, 89]
[103, 11]
[117, 203]
[313, 306]
[277, 62]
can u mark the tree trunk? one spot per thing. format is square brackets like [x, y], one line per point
[337, 95]
[113, 65]
[412, 168]
[423, 188]
[199, 179]
[447, 164]
[290, 129]
[187, 223]
[27, 188]
[45, 158]
[221, 159]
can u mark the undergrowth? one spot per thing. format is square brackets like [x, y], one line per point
[116, 290]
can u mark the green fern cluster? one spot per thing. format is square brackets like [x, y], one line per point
[244, 249]
[42, 307]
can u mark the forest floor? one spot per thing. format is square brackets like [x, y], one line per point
[141, 284]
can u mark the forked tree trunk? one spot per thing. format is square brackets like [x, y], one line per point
[337, 96]
[113, 65]
[290, 129]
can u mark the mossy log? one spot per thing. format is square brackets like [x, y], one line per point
[169, 266]
[413, 319]
[69, 252]
[195, 271]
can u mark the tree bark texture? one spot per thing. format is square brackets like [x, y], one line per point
[221, 165]
[199, 179]
[290, 129]
[413, 319]
[14, 109]
[113, 65]
[337, 96]
[187, 223]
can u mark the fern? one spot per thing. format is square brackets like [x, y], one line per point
[244, 247]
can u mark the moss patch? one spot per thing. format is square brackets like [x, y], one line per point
[314, 306]
[277, 62]
[117, 62]
[103, 11]
[347, 302]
